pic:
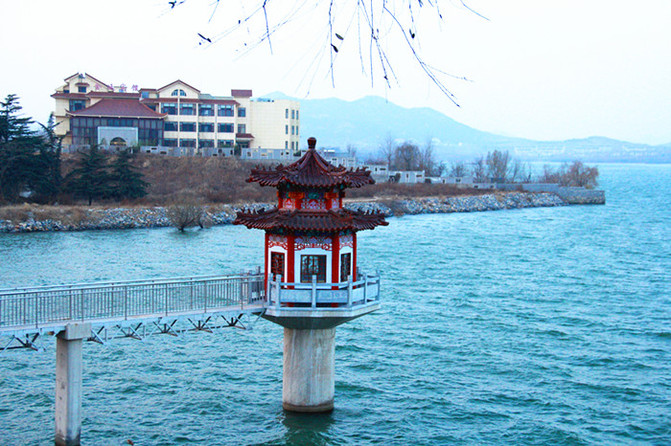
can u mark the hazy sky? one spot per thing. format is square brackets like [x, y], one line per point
[540, 69]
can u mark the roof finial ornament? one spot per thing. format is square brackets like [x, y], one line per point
[312, 143]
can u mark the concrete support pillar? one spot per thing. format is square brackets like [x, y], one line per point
[69, 383]
[309, 363]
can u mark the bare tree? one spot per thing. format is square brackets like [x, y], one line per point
[550, 175]
[407, 157]
[576, 174]
[580, 175]
[458, 169]
[387, 147]
[519, 172]
[186, 214]
[479, 170]
[427, 158]
[497, 165]
[375, 26]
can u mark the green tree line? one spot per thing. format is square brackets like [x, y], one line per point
[31, 165]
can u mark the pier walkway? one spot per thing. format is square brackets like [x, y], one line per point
[136, 309]
[129, 309]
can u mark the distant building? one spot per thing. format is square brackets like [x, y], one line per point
[176, 119]
[338, 157]
[406, 176]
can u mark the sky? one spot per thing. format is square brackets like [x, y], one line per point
[538, 69]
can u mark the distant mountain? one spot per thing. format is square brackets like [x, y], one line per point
[364, 123]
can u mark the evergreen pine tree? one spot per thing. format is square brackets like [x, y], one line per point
[48, 183]
[126, 180]
[18, 144]
[90, 179]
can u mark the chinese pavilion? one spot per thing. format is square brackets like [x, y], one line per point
[312, 280]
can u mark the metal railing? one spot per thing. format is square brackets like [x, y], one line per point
[48, 305]
[342, 294]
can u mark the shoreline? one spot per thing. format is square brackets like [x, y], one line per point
[156, 217]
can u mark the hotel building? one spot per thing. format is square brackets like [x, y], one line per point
[176, 119]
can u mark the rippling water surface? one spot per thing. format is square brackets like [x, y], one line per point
[535, 326]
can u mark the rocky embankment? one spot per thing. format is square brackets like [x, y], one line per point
[156, 217]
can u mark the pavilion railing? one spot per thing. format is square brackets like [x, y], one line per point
[314, 294]
[49, 305]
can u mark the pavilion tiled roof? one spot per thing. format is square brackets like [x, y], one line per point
[311, 170]
[303, 220]
[118, 108]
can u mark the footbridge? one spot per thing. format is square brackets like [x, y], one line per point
[104, 311]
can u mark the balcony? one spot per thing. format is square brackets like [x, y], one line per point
[321, 305]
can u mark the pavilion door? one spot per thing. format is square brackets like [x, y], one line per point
[277, 265]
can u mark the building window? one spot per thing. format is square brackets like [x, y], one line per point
[242, 112]
[170, 142]
[293, 114]
[206, 127]
[313, 265]
[178, 92]
[144, 94]
[223, 143]
[170, 126]
[152, 106]
[244, 145]
[292, 129]
[345, 266]
[276, 264]
[187, 143]
[286, 129]
[296, 114]
[225, 128]
[205, 143]
[286, 113]
[242, 128]
[286, 145]
[77, 105]
[81, 89]
[187, 109]
[169, 108]
[206, 110]
[225, 110]
[187, 127]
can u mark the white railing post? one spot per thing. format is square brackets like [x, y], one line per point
[249, 290]
[125, 303]
[205, 297]
[314, 291]
[349, 291]
[278, 287]
[166, 299]
[191, 295]
[365, 288]
[37, 310]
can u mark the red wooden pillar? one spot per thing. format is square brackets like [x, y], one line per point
[265, 263]
[291, 251]
[354, 257]
[335, 260]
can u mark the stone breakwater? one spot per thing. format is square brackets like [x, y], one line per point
[476, 203]
[157, 217]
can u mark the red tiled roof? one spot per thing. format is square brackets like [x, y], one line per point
[60, 94]
[244, 136]
[241, 93]
[112, 94]
[311, 170]
[126, 108]
[303, 220]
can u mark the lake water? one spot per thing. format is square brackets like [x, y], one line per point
[533, 326]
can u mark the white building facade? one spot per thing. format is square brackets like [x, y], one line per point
[176, 119]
